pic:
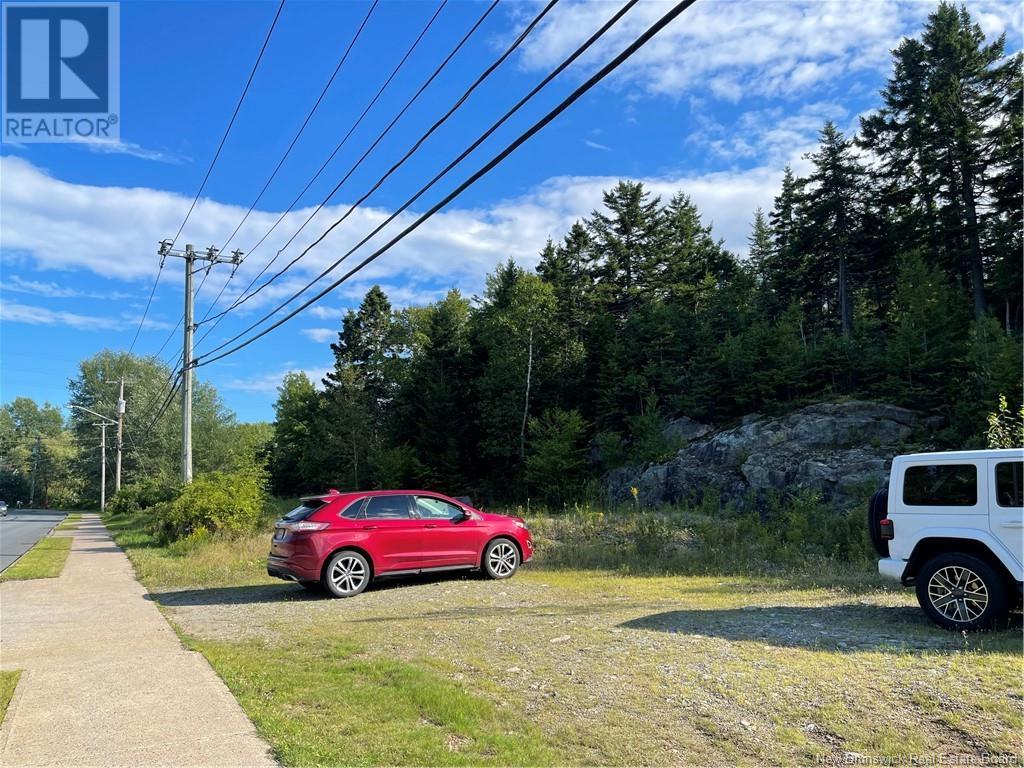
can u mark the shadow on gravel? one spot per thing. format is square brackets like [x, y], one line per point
[285, 591]
[842, 628]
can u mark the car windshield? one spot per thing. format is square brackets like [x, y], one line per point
[304, 510]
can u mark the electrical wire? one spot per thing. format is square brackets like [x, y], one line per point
[245, 295]
[231, 122]
[607, 69]
[465, 153]
[309, 116]
[209, 170]
[330, 157]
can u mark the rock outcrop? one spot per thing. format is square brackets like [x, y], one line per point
[841, 450]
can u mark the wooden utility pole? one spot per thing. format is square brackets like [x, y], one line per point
[35, 469]
[190, 255]
[120, 432]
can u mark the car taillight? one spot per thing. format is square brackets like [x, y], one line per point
[886, 530]
[305, 526]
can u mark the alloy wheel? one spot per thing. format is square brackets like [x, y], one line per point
[958, 593]
[348, 574]
[502, 559]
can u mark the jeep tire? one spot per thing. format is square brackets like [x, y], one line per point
[962, 592]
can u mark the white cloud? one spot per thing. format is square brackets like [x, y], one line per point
[267, 383]
[741, 48]
[320, 335]
[63, 226]
[596, 145]
[104, 146]
[16, 284]
[773, 136]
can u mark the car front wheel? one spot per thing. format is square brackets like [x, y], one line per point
[961, 592]
[501, 559]
[347, 574]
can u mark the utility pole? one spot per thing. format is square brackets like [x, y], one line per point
[103, 463]
[107, 422]
[35, 468]
[120, 432]
[191, 256]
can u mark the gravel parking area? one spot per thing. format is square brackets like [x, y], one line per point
[664, 670]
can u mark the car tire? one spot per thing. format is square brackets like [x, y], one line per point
[501, 559]
[347, 574]
[961, 592]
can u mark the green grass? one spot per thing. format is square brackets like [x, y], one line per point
[329, 702]
[44, 561]
[679, 660]
[70, 522]
[8, 682]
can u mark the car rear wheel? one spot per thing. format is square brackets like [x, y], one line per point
[961, 592]
[501, 559]
[347, 574]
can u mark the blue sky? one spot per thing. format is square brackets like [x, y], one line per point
[715, 106]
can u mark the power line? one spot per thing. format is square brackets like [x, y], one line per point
[145, 312]
[309, 116]
[610, 67]
[135, 449]
[332, 155]
[231, 122]
[220, 146]
[465, 153]
[245, 296]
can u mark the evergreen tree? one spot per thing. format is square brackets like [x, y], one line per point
[831, 214]
[627, 239]
[760, 240]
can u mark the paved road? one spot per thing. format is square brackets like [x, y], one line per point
[21, 529]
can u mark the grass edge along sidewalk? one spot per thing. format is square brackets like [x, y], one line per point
[8, 682]
[44, 561]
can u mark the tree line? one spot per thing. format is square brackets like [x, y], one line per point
[892, 270]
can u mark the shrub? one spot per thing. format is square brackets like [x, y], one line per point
[219, 502]
[142, 494]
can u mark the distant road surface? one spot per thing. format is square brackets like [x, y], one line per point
[21, 529]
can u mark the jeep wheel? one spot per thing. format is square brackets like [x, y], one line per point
[961, 592]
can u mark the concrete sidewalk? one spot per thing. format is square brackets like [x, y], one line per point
[106, 681]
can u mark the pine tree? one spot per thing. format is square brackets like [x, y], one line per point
[627, 241]
[760, 240]
[782, 269]
[831, 214]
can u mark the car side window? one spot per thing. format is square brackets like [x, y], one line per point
[352, 510]
[941, 485]
[1010, 484]
[430, 508]
[387, 508]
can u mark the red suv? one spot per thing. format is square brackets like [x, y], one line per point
[341, 541]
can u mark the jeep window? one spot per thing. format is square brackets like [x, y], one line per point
[1010, 484]
[941, 485]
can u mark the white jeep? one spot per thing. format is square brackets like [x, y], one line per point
[952, 525]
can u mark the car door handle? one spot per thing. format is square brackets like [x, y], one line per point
[369, 527]
[430, 525]
[1013, 524]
